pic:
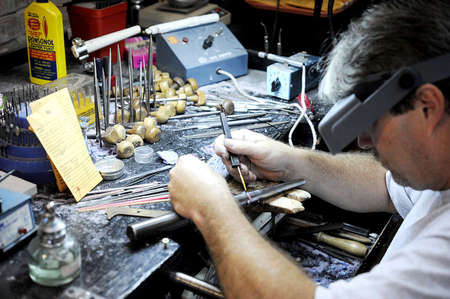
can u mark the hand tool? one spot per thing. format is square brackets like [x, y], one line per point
[196, 285]
[126, 211]
[81, 49]
[276, 58]
[105, 103]
[119, 61]
[144, 174]
[234, 117]
[151, 84]
[355, 229]
[130, 85]
[109, 87]
[234, 159]
[138, 201]
[120, 197]
[328, 250]
[353, 247]
[141, 95]
[108, 191]
[169, 222]
[352, 236]
[98, 134]
[231, 123]
[251, 127]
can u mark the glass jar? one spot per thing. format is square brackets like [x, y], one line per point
[53, 256]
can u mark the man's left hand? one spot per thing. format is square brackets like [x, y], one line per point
[195, 189]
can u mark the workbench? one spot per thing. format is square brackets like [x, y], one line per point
[112, 266]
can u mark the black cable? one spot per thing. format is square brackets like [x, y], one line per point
[275, 22]
[330, 21]
[317, 8]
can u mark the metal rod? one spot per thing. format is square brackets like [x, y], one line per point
[231, 123]
[109, 87]
[105, 115]
[144, 174]
[120, 81]
[141, 96]
[130, 84]
[98, 135]
[151, 83]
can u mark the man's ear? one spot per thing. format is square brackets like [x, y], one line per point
[431, 103]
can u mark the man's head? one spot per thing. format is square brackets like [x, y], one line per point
[395, 34]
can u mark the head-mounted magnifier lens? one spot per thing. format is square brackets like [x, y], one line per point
[351, 116]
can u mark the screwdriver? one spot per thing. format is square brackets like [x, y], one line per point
[234, 159]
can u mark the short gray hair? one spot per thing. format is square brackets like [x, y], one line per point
[388, 36]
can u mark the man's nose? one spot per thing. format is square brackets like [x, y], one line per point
[365, 141]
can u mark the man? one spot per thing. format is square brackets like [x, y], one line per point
[412, 141]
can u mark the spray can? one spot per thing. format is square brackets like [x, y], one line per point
[45, 42]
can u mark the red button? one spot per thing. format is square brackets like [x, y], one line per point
[185, 40]
[22, 231]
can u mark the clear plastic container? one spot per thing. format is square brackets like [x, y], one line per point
[143, 154]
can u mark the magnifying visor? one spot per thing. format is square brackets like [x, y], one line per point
[351, 116]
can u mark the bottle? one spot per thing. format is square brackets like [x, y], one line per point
[53, 256]
[45, 42]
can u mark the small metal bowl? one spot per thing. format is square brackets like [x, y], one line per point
[110, 168]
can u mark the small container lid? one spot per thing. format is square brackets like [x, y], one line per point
[110, 168]
[143, 154]
[52, 230]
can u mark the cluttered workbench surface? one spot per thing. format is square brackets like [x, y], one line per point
[112, 265]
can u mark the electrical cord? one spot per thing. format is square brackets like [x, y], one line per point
[301, 108]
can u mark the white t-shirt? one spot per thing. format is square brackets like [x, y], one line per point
[417, 262]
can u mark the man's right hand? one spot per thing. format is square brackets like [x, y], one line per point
[261, 157]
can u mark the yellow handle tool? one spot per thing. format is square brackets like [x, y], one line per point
[353, 247]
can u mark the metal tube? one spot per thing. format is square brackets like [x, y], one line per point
[155, 226]
[196, 285]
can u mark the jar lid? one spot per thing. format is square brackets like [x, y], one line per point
[52, 230]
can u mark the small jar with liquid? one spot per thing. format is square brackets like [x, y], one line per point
[53, 256]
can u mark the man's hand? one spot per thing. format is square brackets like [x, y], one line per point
[195, 189]
[261, 157]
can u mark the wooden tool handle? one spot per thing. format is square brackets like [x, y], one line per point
[354, 237]
[353, 247]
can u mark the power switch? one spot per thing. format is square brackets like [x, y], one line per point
[275, 85]
[208, 42]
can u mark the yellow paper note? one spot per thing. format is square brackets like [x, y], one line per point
[55, 123]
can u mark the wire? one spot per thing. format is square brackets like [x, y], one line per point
[301, 108]
[243, 93]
